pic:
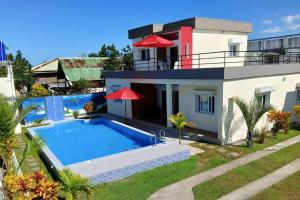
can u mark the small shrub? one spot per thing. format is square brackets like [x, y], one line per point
[89, 108]
[38, 122]
[75, 114]
[30, 186]
[263, 132]
[37, 90]
[280, 120]
[297, 113]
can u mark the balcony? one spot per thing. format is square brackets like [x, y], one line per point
[214, 60]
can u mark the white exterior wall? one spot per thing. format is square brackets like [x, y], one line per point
[208, 41]
[117, 107]
[7, 86]
[187, 99]
[187, 104]
[283, 98]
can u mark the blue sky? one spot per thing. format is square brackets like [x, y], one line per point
[46, 29]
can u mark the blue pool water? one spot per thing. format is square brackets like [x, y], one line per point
[78, 140]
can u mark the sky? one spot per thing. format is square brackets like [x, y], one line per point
[47, 29]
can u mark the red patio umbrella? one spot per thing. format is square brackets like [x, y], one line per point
[154, 41]
[124, 94]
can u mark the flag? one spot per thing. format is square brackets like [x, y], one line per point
[2, 52]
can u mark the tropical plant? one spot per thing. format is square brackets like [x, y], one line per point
[252, 111]
[75, 114]
[33, 186]
[73, 184]
[80, 86]
[179, 121]
[280, 120]
[89, 108]
[34, 145]
[37, 90]
[263, 132]
[9, 119]
[297, 113]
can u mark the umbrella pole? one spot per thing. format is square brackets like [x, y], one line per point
[125, 112]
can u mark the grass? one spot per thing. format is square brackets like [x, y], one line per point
[26, 168]
[243, 175]
[288, 189]
[142, 185]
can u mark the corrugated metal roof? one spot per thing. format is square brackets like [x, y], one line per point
[52, 66]
[82, 68]
[90, 74]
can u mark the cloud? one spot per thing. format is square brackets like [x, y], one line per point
[293, 27]
[275, 29]
[267, 21]
[289, 19]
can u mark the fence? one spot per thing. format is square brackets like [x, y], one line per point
[58, 107]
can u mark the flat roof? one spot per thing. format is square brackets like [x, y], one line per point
[227, 73]
[197, 23]
[274, 37]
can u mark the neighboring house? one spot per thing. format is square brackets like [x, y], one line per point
[208, 65]
[275, 48]
[61, 72]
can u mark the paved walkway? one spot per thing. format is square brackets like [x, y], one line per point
[263, 183]
[183, 189]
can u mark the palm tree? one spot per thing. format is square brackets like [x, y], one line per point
[9, 119]
[72, 184]
[179, 121]
[252, 111]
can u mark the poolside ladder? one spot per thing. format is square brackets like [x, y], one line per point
[162, 135]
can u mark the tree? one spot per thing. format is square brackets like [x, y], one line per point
[9, 119]
[127, 57]
[252, 111]
[37, 90]
[80, 85]
[72, 184]
[179, 121]
[22, 71]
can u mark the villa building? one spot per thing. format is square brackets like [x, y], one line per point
[61, 72]
[208, 64]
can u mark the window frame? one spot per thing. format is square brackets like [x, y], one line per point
[145, 54]
[211, 104]
[234, 53]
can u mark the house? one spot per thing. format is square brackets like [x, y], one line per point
[207, 66]
[61, 72]
[275, 48]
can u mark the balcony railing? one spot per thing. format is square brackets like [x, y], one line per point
[214, 59]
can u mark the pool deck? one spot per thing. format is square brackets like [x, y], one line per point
[120, 165]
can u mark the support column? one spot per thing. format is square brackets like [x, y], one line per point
[169, 98]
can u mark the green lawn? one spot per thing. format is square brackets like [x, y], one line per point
[288, 189]
[243, 175]
[26, 168]
[142, 185]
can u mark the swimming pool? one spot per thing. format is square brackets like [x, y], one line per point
[105, 150]
[81, 140]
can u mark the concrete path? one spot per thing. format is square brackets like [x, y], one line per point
[183, 189]
[263, 183]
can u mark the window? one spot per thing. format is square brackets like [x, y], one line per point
[264, 99]
[145, 54]
[233, 49]
[298, 95]
[293, 42]
[205, 104]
